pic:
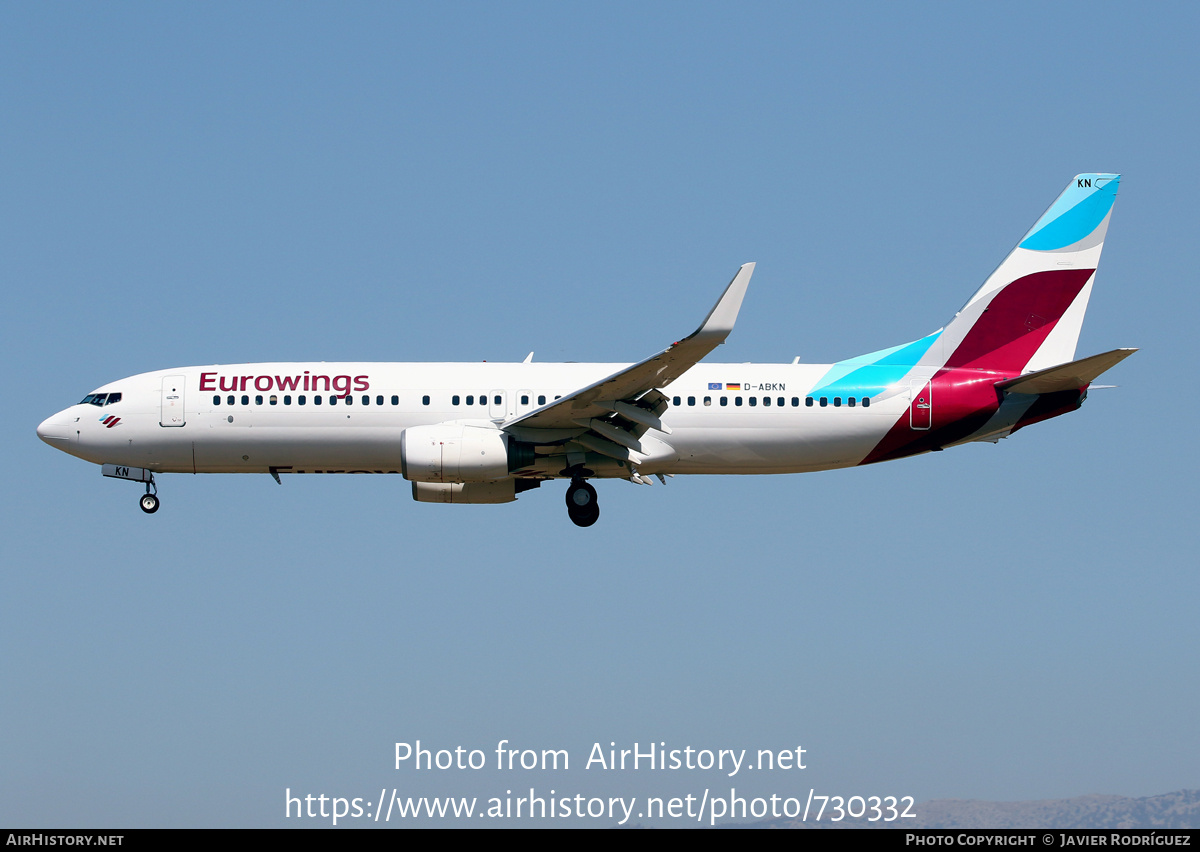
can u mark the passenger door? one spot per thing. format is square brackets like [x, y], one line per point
[920, 412]
[172, 401]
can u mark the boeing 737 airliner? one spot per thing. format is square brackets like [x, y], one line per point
[484, 433]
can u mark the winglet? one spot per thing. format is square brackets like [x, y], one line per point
[721, 318]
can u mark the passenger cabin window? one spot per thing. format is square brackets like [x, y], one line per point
[753, 401]
[524, 399]
[332, 400]
[287, 399]
[274, 400]
[708, 400]
[471, 400]
[245, 400]
[301, 400]
[379, 400]
[541, 399]
[349, 399]
[229, 400]
[455, 400]
[216, 400]
[824, 401]
[724, 400]
[808, 400]
[837, 402]
[395, 400]
[691, 400]
[316, 400]
[866, 402]
[425, 400]
[850, 402]
[676, 401]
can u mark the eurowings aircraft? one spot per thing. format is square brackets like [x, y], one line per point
[484, 433]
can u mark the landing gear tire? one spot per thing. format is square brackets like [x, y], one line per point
[582, 508]
[585, 519]
[149, 503]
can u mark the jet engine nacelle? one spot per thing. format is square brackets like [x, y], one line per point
[499, 491]
[453, 452]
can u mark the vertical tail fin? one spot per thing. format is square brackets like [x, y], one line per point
[1028, 314]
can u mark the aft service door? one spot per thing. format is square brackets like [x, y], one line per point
[920, 412]
[172, 401]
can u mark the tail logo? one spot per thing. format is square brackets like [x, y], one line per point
[1078, 212]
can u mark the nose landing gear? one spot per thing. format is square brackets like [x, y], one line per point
[582, 508]
[149, 502]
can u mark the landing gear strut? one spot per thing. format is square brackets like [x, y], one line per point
[582, 507]
[149, 502]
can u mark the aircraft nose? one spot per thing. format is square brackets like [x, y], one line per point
[55, 430]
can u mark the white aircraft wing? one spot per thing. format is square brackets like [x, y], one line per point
[621, 393]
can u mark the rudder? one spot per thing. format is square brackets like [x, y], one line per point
[1028, 314]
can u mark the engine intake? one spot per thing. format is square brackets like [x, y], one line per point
[453, 452]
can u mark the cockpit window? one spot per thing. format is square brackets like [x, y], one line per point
[100, 399]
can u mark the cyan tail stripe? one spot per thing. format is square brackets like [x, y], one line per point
[1076, 213]
[870, 375]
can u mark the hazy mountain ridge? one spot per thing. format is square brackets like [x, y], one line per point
[1180, 809]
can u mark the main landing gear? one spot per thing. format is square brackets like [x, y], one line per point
[582, 507]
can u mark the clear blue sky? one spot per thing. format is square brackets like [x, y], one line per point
[185, 184]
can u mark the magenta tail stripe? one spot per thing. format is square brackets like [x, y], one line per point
[1023, 311]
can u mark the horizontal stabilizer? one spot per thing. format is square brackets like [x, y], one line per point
[1070, 376]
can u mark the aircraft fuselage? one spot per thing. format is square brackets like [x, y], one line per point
[348, 417]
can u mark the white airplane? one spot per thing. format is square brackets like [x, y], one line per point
[484, 433]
